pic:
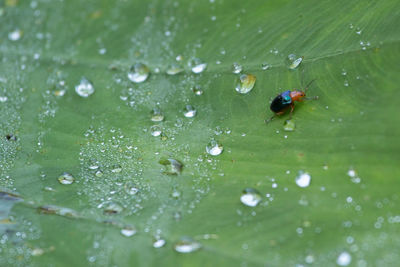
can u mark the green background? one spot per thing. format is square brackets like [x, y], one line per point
[349, 127]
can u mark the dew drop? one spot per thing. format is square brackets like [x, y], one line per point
[293, 61]
[158, 243]
[3, 99]
[197, 65]
[111, 207]
[56, 210]
[85, 88]
[189, 111]
[128, 231]
[289, 126]
[99, 173]
[174, 69]
[343, 259]
[303, 179]
[236, 68]
[186, 245]
[197, 90]
[245, 83]
[156, 115]
[15, 35]
[138, 73]
[250, 197]
[155, 130]
[131, 188]
[214, 148]
[172, 166]
[116, 168]
[66, 178]
[265, 66]
[346, 83]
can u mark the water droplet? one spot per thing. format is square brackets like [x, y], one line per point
[289, 126]
[128, 231]
[15, 35]
[99, 173]
[250, 197]
[116, 168]
[172, 166]
[189, 111]
[245, 83]
[343, 259]
[110, 207]
[85, 88]
[155, 130]
[265, 66]
[61, 211]
[197, 90]
[214, 148]
[138, 73]
[174, 69]
[197, 65]
[303, 179]
[186, 245]
[66, 178]
[358, 31]
[158, 243]
[3, 99]
[344, 72]
[131, 188]
[176, 193]
[236, 68]
[346, 83]
[293, 61]
[157, 115]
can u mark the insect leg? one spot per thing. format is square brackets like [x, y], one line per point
[291, 111]
[311, 98]
[270, 119]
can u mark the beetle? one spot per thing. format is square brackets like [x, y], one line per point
[285, 100]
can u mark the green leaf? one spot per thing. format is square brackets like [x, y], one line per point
[123, 199]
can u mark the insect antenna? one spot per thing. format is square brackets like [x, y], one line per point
[308, 85]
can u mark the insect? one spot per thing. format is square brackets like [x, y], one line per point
[285, 100]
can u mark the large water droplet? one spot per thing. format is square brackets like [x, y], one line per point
[187, 245]
[172, 166]
[138, 73]
[174, 69]
[158, 243]
[245, 83]
[15, 35]
[155, 130]
[85, 88]
[157, 115]
[189, 111]
[66, 178]
[250, 197]
[197, 65]
[343, 259]
[214, 148]
[128, 231]
[303, 179]
[293, 61]
[236, 68]
[289, 126]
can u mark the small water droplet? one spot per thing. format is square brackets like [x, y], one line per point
[186, 245]
[176, 193]
[172, 166]
[245, 83]
[139, 73]
[265, 66]
[15, 35]
[131, 188]
[344, 72]
[99, 173]
[197, 90]
[303, 179]
[293, 61]
[189, 111]
[236, 68]
[157, 115]
[358, 31]
[197, 65]
[85, 88]
[346, 83]
[155, 130]
[343, 259]
[61, 211]
[174, 69]
[116, 168]
[128, 231]
[66, 178]
[158, 243]
[289, 126]
[250, 197]
[214, 148]
[3, 99]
